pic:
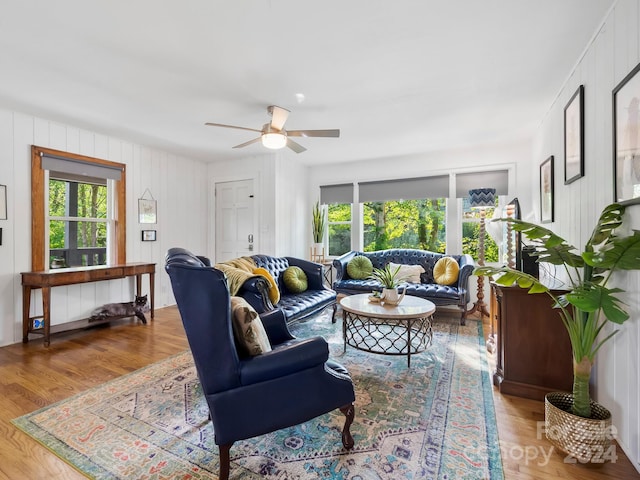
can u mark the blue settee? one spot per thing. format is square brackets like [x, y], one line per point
[456, 294]
[295, 306]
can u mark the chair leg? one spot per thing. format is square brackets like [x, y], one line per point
[224, 461]
[463, 316]
[335, 309]
[349, 412]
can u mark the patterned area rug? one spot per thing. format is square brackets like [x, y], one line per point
[433, 420]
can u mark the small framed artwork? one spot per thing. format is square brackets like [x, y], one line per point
[146, 210]
[546, 190]
[626, 139]
[148, 235]
[3, 202]
[574, 137]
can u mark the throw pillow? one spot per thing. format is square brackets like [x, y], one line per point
[248, 330]
[359, 267]
[295, 279]
[445, 271]
[274, 293]
[407, 273]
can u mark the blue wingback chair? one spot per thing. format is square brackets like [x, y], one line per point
[251, 396]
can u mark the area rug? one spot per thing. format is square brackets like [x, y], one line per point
[433, 420]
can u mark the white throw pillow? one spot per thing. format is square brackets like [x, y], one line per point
[407, 273]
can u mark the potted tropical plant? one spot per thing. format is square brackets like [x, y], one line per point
[585, 309]
[317, 229]
[389, 279]
[318, 223]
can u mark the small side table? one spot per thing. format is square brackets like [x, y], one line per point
[327, 271]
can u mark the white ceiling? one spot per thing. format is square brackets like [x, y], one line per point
[397, 78]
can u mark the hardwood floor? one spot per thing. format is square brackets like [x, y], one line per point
[32, 376]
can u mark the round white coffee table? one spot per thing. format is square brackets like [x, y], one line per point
[403, 329]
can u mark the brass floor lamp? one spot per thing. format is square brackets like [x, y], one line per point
[481, 199]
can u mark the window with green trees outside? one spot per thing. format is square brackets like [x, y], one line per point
[339, 228]
[471, 233]
[419, 224]
[77, 223]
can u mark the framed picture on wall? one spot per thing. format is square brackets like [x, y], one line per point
[146, 210]
[626, 139]
[148, 235]
[574, 137]
[546, 190]
[3, 202]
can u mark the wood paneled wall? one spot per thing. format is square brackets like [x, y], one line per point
[178, 184]
[612, 54]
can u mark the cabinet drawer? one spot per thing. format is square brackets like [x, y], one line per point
[107, 273]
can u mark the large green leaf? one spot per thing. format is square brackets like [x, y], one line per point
[590, 297]
[620, 253]
[610, 219]
[550, 248]
[507, 276]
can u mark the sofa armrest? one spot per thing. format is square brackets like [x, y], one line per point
[340, 264]
[466, 269]
[284, 360]
[313, 270]
[255, 290]
[275, 324]
[204, 260]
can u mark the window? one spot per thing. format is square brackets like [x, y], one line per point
[338, 200]
[498, 179]
[339, 228]
[471, 233]
[78, 207]
[405, 213]
[77, 222]
[418, 223]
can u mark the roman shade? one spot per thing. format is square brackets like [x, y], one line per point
[498, 179]
[73, 169]
[342, 193]
[405, 189]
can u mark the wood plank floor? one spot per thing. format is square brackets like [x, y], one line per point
[32, 376]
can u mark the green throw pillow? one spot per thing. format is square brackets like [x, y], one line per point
[295, 280]
[359, 267]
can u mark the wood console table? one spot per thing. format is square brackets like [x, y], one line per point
[71, 276]
[533, 347]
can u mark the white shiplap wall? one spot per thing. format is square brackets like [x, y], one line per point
[178, 184]
[614, 52]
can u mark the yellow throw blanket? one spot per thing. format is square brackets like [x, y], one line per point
[237, 271]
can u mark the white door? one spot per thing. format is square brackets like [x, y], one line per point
[234, 219]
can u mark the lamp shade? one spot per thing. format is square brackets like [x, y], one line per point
[482, 197]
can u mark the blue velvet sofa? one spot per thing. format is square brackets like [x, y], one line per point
[295, 306]
[457, 294]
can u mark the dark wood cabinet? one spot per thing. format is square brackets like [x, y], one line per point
[533, 347]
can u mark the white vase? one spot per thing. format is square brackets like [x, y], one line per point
[391, 296]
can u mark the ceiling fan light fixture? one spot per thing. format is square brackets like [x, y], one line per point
[274, 141]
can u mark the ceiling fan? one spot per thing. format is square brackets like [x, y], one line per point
[274, 136]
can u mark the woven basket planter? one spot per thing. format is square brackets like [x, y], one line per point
[585, 439]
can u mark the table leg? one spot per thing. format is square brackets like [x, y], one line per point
[409, 326]
[152, 284]
[26, 307]
[344, 330]
[46, 313]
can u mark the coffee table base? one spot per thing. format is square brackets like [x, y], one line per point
[406, 336]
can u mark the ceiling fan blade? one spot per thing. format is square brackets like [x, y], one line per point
[278, 116]
[248, 143]
[232, 126]
[296, 147]
[314, 133]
